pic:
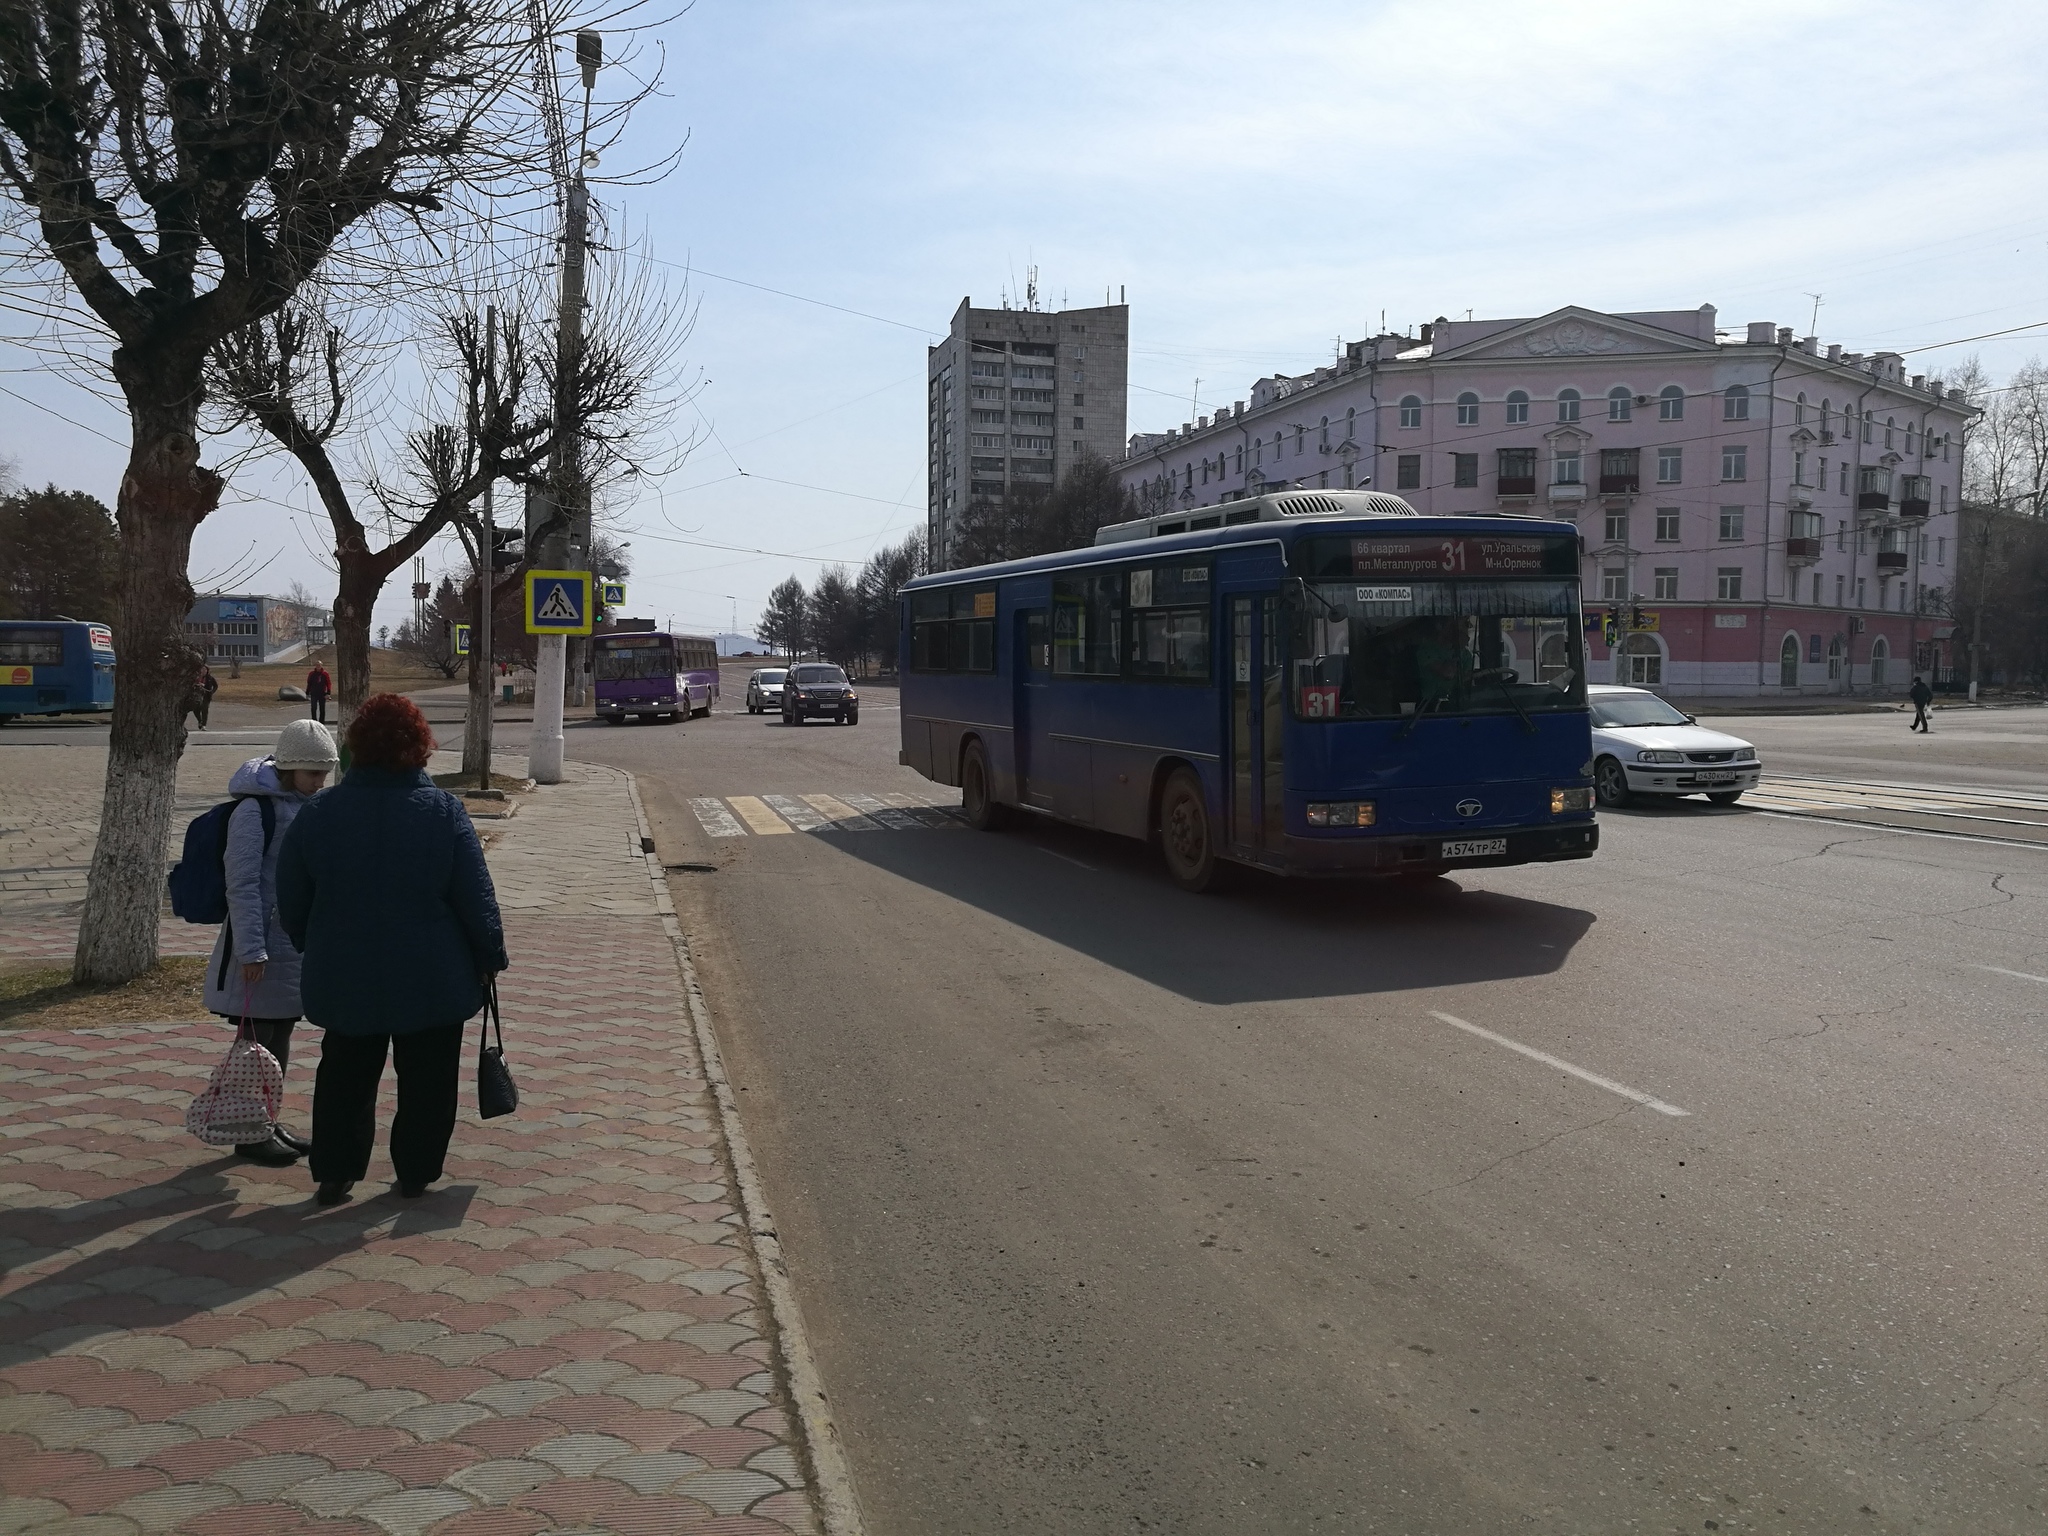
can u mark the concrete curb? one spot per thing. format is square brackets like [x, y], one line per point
[838, 1504]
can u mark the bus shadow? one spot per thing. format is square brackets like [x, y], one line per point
[1262, 939]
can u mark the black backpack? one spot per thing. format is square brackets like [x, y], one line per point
[199, 880]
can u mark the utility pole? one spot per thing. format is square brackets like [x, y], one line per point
[482, 671]
[567, 496]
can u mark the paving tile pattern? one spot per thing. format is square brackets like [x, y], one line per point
[567, 1335]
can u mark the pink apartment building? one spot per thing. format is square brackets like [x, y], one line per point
[1760, 514]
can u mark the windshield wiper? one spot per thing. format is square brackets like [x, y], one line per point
[1408, 726]
[1501, 677]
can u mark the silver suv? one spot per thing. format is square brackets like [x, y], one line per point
[764, 689]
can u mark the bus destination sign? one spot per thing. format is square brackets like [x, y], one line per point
[1458, 555]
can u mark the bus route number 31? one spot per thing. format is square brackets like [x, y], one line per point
[1319, 701]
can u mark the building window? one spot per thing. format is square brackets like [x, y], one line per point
[1351, 425]
[1734, 462]
[1822, 482]
[1258, 450]
[1078, 427]
[1839, 582]
[1517, 471]
[1300, 437]
[1240, 459]
[1728, 583]
[1408, 472]
[1565, 470]
[1464, 470]
[1868, 417]
[1941, 551]
[1614, 583]
[1323, 435]
[1645, 660]
[1411, 410]
[1731, 525]
[1667, 525]
[1859, 591]
[1077, 397]
[1671, 403]
[1617, 527]
[1909, 439]
[1617, 404]
[1735, 403]
[1518, 407]
[1799, 410]
[1798, 467]
[1567, 405]
[1665, 579]
[1816, 603]
[1889, 424]
[1468, 409]
[1670, 465]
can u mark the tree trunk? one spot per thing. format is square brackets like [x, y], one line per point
[361, 579]
[164, 497]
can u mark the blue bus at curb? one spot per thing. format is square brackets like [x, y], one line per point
[55, 667]
[1308, 682]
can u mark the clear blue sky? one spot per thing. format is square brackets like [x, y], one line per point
[1260, 180]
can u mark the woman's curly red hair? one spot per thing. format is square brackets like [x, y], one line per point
[389, 732]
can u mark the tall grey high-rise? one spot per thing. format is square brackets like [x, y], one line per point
[1014, 397]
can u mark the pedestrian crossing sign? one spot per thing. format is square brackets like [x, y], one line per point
[558, 602]
[614, 594]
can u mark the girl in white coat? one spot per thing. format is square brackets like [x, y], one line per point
[254, 972]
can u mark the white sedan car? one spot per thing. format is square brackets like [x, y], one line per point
[1642, 746]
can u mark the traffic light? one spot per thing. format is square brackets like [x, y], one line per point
[1613, 625]
[1635, 615]
[503, 555]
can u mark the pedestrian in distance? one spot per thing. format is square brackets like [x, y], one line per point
[318, 686]
[1922, 696]
[383, 888]
[254, 971]
[199, 698]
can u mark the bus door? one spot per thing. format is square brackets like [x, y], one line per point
[1028, 722]
[1256, 817]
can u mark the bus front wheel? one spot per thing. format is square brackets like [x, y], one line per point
[977, 804]
[1185, 836]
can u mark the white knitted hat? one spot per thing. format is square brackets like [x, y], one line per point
[305, 744]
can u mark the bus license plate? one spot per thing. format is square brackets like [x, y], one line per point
[1476, 848]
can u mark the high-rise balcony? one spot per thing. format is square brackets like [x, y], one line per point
[1515, 485]
[1804, 538]
[1890, 561]
[1915, 493]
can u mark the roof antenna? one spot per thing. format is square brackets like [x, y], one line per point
[1031, 288]
[1813, 325]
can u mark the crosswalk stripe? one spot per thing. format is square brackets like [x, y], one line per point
[890, 816]
[758, 817]
[715, 819]
[795, 812]
[844, 818]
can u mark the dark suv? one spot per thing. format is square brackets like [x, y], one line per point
[819, 688]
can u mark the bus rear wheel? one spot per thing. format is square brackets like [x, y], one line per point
[977, 804]
[1185, 837]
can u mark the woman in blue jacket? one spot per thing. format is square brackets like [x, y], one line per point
[382, 887]
[254, 971]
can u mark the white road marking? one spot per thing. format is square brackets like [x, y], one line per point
[795, 812]
[1075, 862]
[1634, 1094]
[888, 815]
[843, 817]
[2001, 970]
[715, 819]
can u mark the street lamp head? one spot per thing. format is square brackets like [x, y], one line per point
[589, 54]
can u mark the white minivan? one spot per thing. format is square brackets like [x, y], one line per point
[1643, 746]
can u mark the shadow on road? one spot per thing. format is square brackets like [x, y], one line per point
[1264, 938]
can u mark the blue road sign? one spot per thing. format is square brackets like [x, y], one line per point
[558, 602]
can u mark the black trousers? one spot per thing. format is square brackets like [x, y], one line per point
[275, 1036]
[317, 708]
[1919, 718]
[428, 1061]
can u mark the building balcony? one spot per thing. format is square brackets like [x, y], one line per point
[1891, 561]
[1574, 490]
[1515, 485]
[1802, 551]
[1913, 506]
[1620, 485]
[1873, 501]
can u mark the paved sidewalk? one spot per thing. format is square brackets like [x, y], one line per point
[569, 1334]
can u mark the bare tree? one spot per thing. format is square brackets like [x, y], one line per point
[188, 166]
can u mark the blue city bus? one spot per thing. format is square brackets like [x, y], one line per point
[55, 667]
[1311, 682]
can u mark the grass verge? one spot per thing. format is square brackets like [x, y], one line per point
[43, 996]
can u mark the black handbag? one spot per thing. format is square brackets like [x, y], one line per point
[496, 1093]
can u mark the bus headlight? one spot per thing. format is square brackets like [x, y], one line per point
[1341, 813]
[1562, 800]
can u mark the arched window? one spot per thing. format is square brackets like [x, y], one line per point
[1671, 403]
[1735, 403]
[1909, 439]
[1799, 410]
[1258, 450]
[1300, 436]
[1889, 423]
[1567, 405]
[1617, 403]
[1411, 410]
[1868, 417]
[1189, 470]
[1788, 662]
[1880, 653]
[1323, 441]
[1825, 406]
[1642, 661]
[1468, 409]
[1835, 659]
[1240, 458]
[1351, 425]
[1518, 406]
[1944, 447]
[1553, 659]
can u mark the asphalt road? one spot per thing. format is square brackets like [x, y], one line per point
[1116, 1209]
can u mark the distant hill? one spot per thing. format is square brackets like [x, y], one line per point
[735, 645]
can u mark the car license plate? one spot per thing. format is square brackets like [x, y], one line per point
[1717, 778]
[1476, 848]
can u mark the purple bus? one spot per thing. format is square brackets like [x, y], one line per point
[650, 674]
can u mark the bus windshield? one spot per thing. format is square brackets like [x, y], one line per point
[640, 656]
[1380, 650]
